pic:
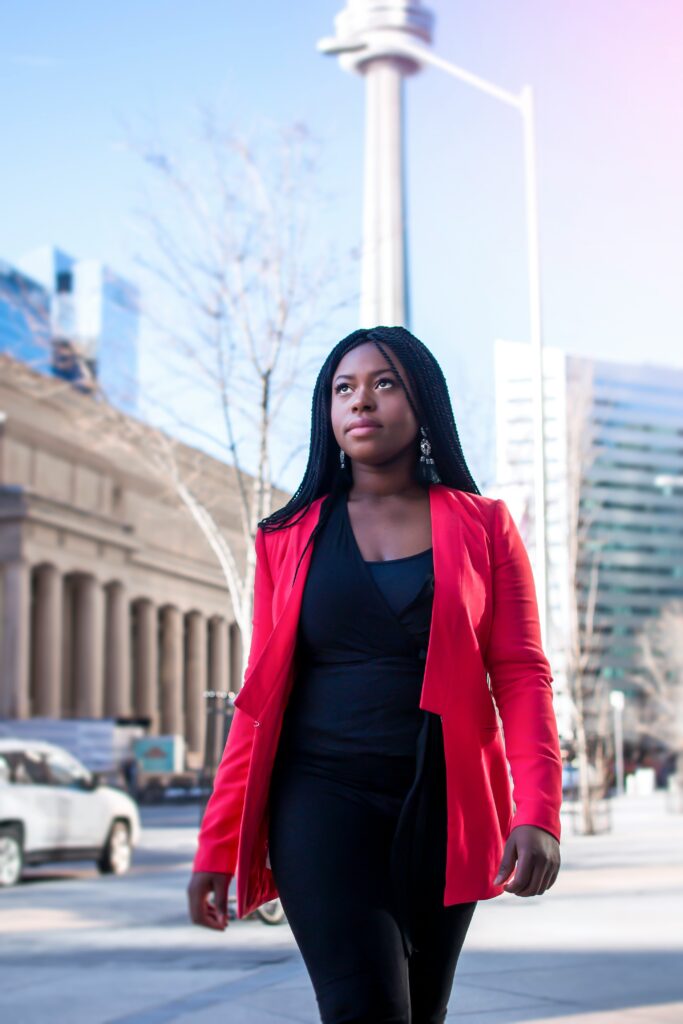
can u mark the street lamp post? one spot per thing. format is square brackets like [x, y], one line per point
[368, 32]
[616, 699]
[219, 712]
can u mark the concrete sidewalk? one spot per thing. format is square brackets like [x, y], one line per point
[604, 946]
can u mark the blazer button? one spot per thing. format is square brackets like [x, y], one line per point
[422, 653]
[256, 724]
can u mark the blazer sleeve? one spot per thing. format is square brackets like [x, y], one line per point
[521, 682]
[219, 833]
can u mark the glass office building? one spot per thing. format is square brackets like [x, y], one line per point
[24, 318]
[614, 497]
[76, 319]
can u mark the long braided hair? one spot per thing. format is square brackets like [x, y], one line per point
[433, 411]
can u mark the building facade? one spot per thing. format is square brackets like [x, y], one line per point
[614, 480]
[112, 604]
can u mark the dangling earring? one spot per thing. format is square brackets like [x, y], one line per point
[426, 469]
[341, 457]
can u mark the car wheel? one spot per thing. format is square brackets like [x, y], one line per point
[271, 912]
[11, 856]
[117, 851]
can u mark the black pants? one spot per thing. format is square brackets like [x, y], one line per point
[329, 851]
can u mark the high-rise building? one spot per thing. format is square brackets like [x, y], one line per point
[73, 318]
[614, 480]
[24, 318]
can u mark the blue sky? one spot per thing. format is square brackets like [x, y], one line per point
[77, 76]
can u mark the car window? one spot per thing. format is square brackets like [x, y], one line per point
[5, 771]
[27, 767]
[64, 770]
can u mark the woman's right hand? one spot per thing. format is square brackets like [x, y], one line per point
[206, 912]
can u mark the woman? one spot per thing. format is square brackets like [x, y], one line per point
[365, 777]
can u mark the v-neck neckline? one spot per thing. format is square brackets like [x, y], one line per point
[370, 561]
[392, 561]
[366, 568]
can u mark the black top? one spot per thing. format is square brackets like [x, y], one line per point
[354, 715]
[362, 641]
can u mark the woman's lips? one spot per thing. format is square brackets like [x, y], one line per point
[363, 430]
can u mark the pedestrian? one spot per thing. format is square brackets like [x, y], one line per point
[395, 669]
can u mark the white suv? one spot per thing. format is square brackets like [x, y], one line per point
[52, 808]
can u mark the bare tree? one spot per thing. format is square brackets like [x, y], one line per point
[660, 645]
[588, 697]
[247, 286]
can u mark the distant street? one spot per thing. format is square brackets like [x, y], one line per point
[604, 946]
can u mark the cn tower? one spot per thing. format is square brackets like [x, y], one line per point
[367, 40]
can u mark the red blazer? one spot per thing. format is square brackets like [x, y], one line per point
[484, 623]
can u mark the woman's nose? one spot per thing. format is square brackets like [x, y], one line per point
[363, 398]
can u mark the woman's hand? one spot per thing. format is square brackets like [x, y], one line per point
[537, 854]
[206, 912]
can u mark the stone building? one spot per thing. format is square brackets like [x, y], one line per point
[112, 604]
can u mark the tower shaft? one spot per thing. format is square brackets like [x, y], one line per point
[384, 275]
[369, 40]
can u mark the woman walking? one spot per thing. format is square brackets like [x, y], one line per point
[365, 778]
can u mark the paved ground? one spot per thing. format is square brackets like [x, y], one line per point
[604, 946]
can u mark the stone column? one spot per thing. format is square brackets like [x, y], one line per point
[68, 619]
[117, 695]
[47, 642]
[219, 658]
[146, 696]
[195, 682]
[89, 648]
[14, 640]
[235, 638]
[171, 671]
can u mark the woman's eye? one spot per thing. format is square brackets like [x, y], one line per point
[343, 384]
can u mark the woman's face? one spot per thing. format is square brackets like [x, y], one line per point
[364, 387]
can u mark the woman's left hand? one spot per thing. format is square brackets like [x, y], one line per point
[537, 854]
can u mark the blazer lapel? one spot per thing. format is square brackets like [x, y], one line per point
[273, 663]
[455, 672]
[447, 600]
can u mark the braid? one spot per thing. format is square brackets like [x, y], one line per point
[432, 410]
